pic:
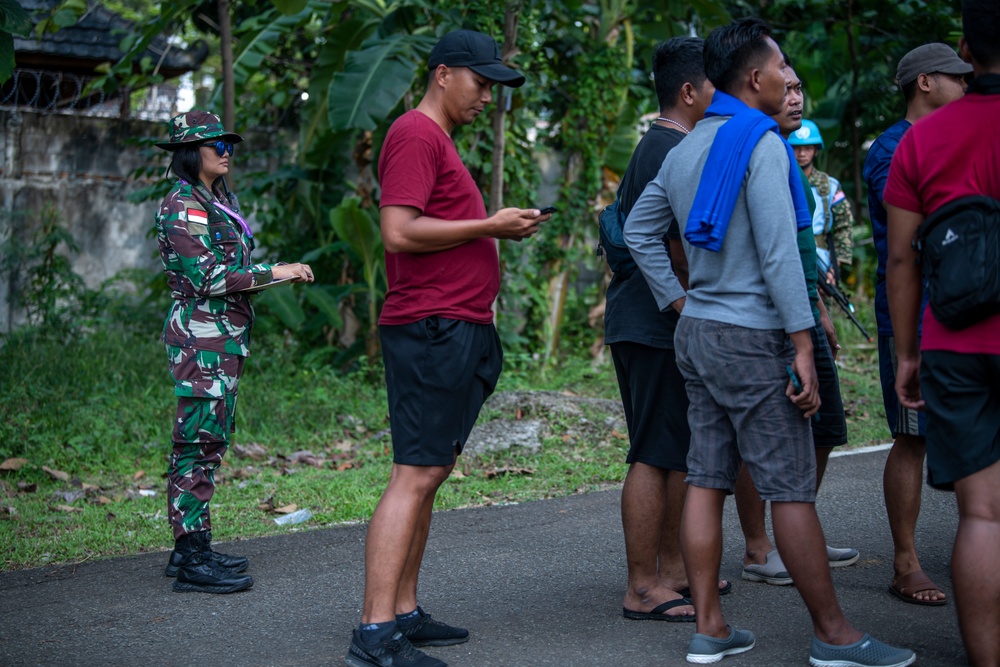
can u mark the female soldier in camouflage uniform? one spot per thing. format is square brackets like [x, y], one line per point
[205, 247]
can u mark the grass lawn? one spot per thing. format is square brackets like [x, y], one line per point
[84, 436]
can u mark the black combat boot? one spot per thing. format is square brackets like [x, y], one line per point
[183, 546]
[200, 572]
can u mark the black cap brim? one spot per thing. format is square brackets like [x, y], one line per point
[500, 74]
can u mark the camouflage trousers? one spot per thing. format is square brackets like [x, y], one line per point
[205, 384]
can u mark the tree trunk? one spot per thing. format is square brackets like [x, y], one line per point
[853, 119]
[511, 19]
[228, 83]
[559, 282]
[854, 112]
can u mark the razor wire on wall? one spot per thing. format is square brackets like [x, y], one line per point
[66, 93]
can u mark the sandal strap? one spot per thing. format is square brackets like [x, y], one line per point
[915, 582]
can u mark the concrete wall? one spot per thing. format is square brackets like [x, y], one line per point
[83, 169]
[79, 169]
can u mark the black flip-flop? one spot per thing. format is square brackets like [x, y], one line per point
[686, 592]
[657, 613]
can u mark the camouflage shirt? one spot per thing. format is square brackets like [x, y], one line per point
[206, 256]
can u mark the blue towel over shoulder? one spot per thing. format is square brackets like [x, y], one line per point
[725, 169]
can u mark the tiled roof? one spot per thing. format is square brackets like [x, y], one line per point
[94, 40]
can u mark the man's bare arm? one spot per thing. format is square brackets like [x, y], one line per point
[904, 288]
[406, 229]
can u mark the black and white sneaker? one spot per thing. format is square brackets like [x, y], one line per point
[428, 632]
[396, 651]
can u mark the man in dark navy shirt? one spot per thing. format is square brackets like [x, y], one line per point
[930, 76]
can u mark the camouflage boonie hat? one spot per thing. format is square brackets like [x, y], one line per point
[195, 126]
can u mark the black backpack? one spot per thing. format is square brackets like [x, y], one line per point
[610, 227]
[959, 246]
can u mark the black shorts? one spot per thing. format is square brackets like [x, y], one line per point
[962, 395]
[655, 403]
[830, 430]
[438, 374]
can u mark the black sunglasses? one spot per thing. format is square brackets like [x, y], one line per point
[221, 147]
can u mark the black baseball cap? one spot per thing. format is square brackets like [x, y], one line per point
[478, 52]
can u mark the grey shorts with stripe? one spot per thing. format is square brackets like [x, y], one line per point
[902, 421]
[736, 379]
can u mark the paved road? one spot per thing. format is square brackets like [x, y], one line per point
[537, 584]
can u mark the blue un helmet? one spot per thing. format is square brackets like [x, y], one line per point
[807, 135]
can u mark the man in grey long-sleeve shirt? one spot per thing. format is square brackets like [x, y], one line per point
[756, 280]
[745, 319]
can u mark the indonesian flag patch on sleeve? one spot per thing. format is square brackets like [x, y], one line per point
[197, 216]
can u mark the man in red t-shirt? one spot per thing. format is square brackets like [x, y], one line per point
[954, 153]
[441, 350]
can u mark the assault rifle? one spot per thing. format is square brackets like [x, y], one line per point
[838, 296]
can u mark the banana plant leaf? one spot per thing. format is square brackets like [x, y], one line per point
[282, 303]
[371, 84]
[356, 227]
[327, 300]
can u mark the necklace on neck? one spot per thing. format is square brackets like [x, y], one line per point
[668, 120]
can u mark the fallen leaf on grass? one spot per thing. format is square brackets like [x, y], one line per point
[57, 475]
[139, 474]
[110, 516]
[457, 474]
[89, 487]
[6, 512]
[341, 446]
[343, 461]
[69, 496]
[307, 457]
[250, 450]
[13, 464]
[286, 509]
[267, 505]
[67, 508]
[616, 434]
[104, 500]
[507, 470]
[25, 487]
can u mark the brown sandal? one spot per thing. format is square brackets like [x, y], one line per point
[908, 585]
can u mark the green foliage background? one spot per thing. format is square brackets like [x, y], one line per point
[85, 388]
[326, 78]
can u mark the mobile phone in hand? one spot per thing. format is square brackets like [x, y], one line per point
[797, 384]
[547, 210]
[794, 378]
